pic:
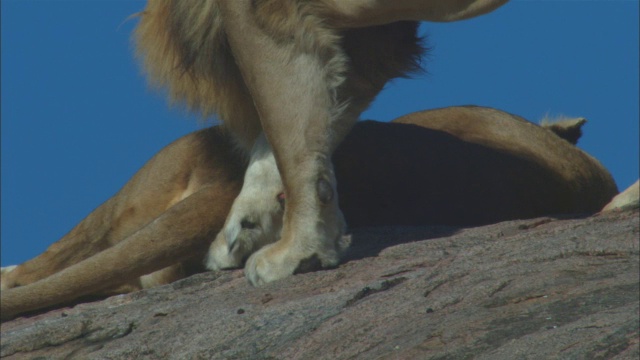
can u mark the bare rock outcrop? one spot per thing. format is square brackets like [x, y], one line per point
[530, 289]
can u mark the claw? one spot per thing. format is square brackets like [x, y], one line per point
[220, 257]
[231, 232]
[234, 246]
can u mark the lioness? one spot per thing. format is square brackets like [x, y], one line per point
[158, 227]
[299, 72]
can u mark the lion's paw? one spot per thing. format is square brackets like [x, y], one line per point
[220, 257]
[269, 264]
[277, 261]
[224, 254]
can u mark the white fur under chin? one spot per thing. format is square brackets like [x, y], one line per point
[255, 219]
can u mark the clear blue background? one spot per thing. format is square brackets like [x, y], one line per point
[78, 119]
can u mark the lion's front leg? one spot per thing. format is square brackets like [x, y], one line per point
[312, 231]
[293, 66]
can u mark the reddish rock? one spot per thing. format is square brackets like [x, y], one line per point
[530, 289]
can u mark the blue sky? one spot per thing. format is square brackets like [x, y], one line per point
[78, 119]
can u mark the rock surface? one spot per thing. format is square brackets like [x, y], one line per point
[530, 289]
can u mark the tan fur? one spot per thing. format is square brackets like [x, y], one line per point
[485, 164]
[389, 173]
[362, 13]
[628, 199]
[160, 210]
[289, 69]
[569, 129]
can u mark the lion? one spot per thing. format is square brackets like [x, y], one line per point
[296, 74]
[158, 227]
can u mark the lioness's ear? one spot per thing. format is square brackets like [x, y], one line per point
[569, 129]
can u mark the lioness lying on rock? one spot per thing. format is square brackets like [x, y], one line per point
[459, 166]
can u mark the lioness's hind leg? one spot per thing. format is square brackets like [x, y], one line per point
[86, 239]
[180, 232]
[162, 277]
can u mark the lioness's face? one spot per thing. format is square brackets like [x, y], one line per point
[254, 222]
[255, 219]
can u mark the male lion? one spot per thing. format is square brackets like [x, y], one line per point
[299, 72]
[158, 227]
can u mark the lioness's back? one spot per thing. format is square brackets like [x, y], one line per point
[464, 166]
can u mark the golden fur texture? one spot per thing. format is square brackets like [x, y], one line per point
[162, 207]
[389, 174]
[184, 49]
[628, 199]
[280, 68]
[299, 72]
